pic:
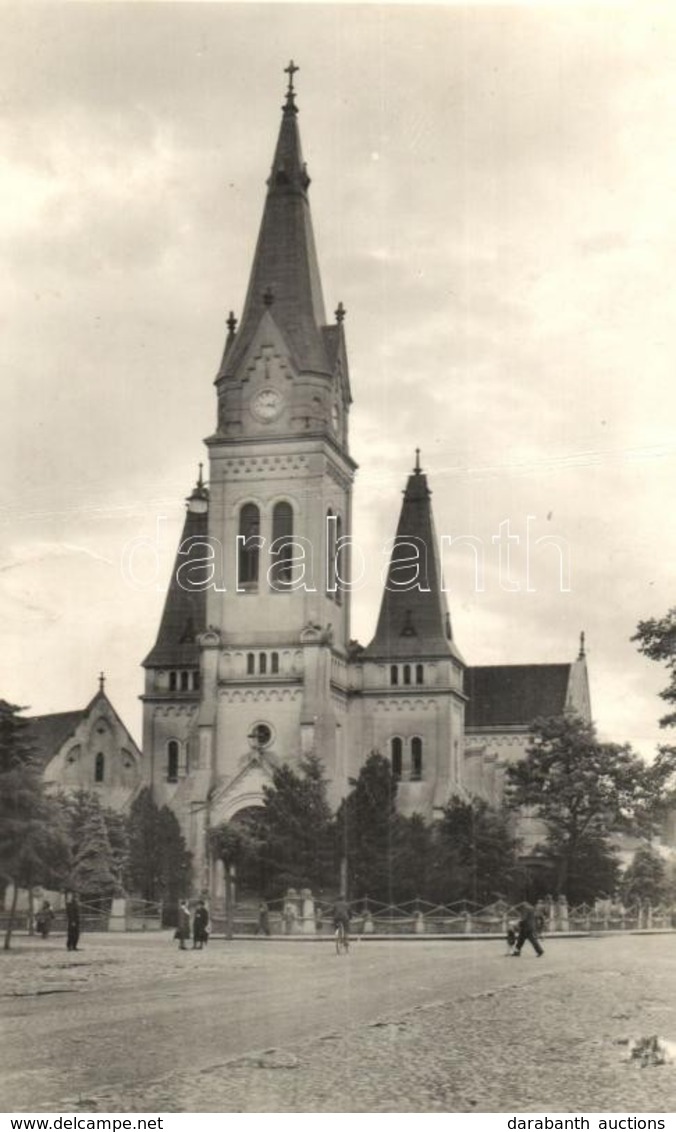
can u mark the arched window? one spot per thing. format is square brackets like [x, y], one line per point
[172, 761]
[419, 674]
[250, 664]
[248, 543]
[340, 559]
[394, 674]
[172, 681]
[274, 663]
[281, 548]
[262, 663]
[330, 554]
[416, 759]
[99, 767]
[407, 674]
[396, 753]
[185, 681]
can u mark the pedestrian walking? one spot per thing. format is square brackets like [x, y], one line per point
[44, 919]
[72, 922]
[263, 926]
[528, 931]
[200, 926]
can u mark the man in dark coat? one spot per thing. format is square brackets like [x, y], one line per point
[528, 930]
[72, 922]
[183, 929]
[200, 923]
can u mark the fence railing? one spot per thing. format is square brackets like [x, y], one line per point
[302, 915]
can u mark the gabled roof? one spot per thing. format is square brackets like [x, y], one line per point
[48, 733]
[506, 695]
[414, 619]
[185, 610]
[285, 274]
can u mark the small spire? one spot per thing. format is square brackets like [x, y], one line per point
[199, 496]
[417, 468]
[581, 654]
[102, 681]
[340, 313]
[268, 296]
[290, 92]
[231, 323]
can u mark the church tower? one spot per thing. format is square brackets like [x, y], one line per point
[274, 671]
[412, 702]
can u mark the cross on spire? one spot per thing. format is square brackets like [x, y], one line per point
[290, 71]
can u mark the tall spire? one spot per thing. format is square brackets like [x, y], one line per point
[414, 618]
[285, 278]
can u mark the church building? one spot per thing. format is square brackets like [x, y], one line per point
[254, 664]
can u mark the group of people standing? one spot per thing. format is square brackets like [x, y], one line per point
[196, 923]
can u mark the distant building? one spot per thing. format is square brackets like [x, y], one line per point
[89, 750]
[258, 667]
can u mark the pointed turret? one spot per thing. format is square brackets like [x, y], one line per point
[414, 620]
[184, 614]
[285, 280]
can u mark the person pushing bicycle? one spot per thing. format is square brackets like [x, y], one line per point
[341, 917]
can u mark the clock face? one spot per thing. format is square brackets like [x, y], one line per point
[267, 404]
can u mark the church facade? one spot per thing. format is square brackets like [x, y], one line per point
[254, 664]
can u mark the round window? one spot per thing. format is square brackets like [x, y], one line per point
[261, 735]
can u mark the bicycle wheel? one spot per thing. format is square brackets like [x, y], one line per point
[341, 941]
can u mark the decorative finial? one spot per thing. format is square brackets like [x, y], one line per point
[231, 323]
[102, 681]
[200, 480]
[268, 296]
[581, 654]
[417, 468]
[340, 313]
[290, 71]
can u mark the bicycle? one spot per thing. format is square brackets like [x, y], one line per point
[342, 939]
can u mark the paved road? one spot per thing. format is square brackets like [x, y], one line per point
[127, 1012]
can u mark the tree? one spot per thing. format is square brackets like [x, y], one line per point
[158, 867]
[645, 878]
[366, 828]
[99, 846]
[581, 789]
[293, 831]
[228, 843]
[474, 852]
[657, 640]
[92, 872]
[411, 845]
[33, 843]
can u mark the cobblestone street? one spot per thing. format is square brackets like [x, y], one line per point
[130, 1024]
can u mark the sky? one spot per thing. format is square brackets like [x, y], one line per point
[494, 201]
